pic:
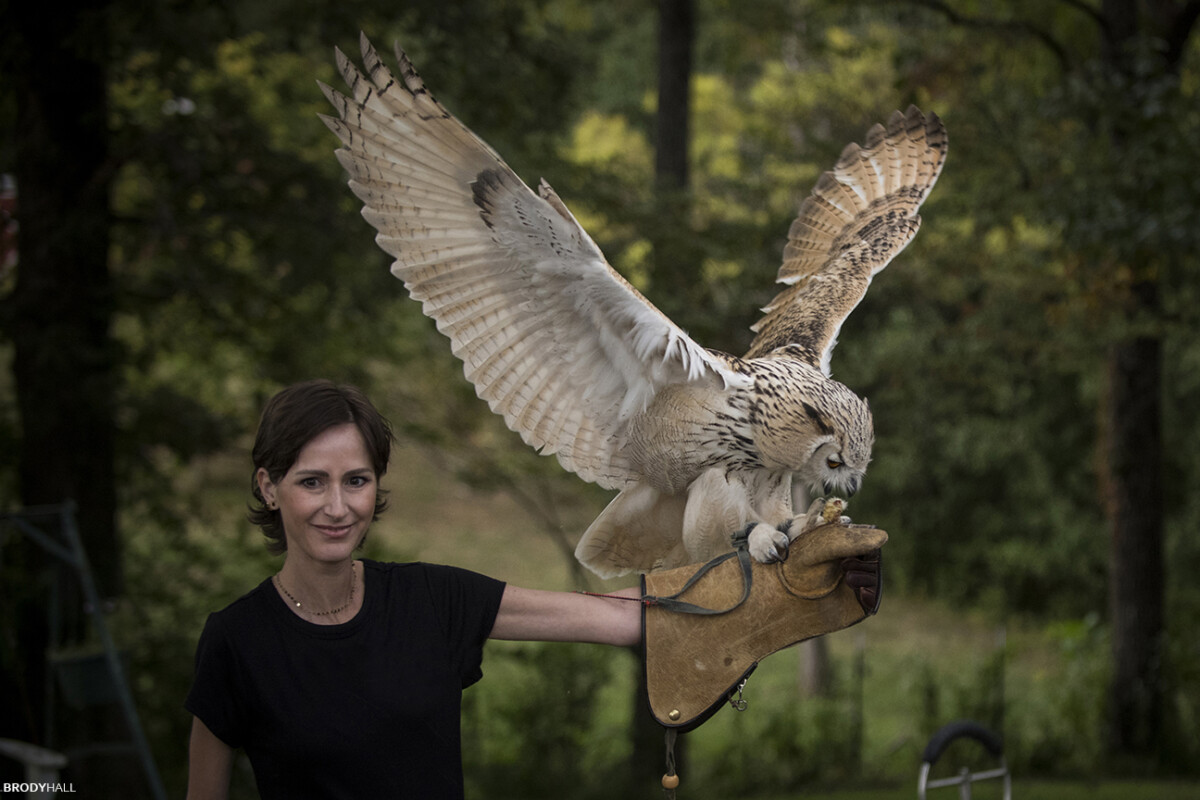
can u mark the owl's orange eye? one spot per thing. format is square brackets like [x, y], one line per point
[832, 463]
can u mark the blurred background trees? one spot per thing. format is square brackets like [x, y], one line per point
[188, 245]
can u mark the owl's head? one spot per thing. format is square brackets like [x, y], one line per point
[841, 450]
[813, 427]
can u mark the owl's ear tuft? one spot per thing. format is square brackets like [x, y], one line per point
[818, 419]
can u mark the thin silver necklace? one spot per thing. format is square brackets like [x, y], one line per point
[328, 613]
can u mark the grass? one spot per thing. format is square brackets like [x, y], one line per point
[434, 519]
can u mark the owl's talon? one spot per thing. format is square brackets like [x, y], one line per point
[768, 544]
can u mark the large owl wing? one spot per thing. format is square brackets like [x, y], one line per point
[550, 335]
[860, 215]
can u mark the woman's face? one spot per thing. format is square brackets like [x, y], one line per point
[327, 498]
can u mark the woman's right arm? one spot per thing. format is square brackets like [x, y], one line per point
[210, 764]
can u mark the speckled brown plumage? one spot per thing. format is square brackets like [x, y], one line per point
[699, 443]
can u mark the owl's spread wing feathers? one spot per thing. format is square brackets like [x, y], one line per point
[860, 215]
[550, 335]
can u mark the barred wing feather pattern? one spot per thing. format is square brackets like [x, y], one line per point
[550, 335]
[860, 215]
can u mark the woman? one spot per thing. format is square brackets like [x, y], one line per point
[342, 677]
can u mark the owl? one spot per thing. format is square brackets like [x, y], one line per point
[698, 444]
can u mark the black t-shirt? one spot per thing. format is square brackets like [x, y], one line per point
[366, 709]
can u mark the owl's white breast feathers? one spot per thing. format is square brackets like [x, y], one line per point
[550, 335]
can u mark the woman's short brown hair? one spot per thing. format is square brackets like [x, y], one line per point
[293, 418]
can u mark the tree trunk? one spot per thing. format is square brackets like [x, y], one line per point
[816, 668]
[678, 287]
[676, 32]
[1133, 446]
[1133, 461]
[59, 314]
[58, 318]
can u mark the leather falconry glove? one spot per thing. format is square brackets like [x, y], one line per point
[706, 627]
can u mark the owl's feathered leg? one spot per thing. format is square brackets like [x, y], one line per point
[645, 530]
[718, 506]
[722, 503]
[637, 532]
